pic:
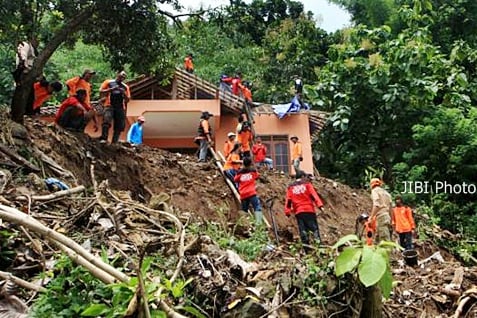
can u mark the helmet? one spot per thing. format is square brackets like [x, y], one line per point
[294, 137]
[141, 118]
[363, 217]
[231, 134]
[375, 182]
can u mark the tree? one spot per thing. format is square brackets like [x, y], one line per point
[130, 32]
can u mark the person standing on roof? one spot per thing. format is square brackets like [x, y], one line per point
[117, 96]
[382, 209]
[74, 113]
[298, 85]
[259, 152]
[229, 144]
[81, 82]
[301, 200]
[297, 153]
[403, 223]
[204, 136]
[246, 90]
[43, 90]
[189, 63]
[235, 82]
[135, 133]
[246, 178]
[245, 138]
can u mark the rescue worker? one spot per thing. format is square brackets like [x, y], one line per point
[189, 63]
[42, 90]
[259, 152]
[229, 144]
[368, 228]
[246, 178]
[135, 133]
[297, 153]
[235, 82]
[81, 82]
[298, 84]
[74, 113]
[381, 210]
[204, 137]
[233, 163]
[246, 91]
[403, 223]
[26, 55]
[117, 96]
[245, 138]
[301, 199]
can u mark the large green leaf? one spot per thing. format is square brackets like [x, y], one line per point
[347, 260]
[372, 266]
[95, 310]
[346, 239]
[386, 283]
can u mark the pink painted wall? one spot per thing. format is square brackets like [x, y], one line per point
[269, 124]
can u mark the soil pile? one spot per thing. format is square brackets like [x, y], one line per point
[118, 178]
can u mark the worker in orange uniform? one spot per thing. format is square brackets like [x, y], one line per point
[43, 90]
[74, 113]
[233, 163]
[368, 228]
[117, 95]
[81, 82]
[245, 138]
[246, 89]
[403, 223]
[297, 153]
[189, 63]
[229, 144]
[301, 199]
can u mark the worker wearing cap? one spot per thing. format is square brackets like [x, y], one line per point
[135, 133]
[229, 144]
[297, 153]
[301, 200]
[403, 223]
[204, 135]
[116, 95]
[381, 210]
[81, 82]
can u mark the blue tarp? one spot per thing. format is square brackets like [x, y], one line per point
[293, 107]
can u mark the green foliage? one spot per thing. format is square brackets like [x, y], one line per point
[371, 262]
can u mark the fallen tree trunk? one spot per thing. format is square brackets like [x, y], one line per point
[17, 217]
[18, 159]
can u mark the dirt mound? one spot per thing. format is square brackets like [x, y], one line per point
[195, 188]
[199, 190]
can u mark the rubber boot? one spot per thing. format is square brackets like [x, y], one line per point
[258, 218]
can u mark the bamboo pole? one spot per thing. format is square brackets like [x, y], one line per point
[15, 216]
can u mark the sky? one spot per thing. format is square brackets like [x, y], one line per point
[330, 17]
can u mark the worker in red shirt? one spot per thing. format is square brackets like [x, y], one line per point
[235, 82]
[74, 113]
[259, 152]
[403, 223]
[189, 63]
[301, 199]
[246, 178]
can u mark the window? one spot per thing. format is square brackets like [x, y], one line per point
[277, 150]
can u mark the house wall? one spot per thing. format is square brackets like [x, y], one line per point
[186, 129]
[269, 124]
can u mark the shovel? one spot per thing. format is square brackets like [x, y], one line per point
[269, 204]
